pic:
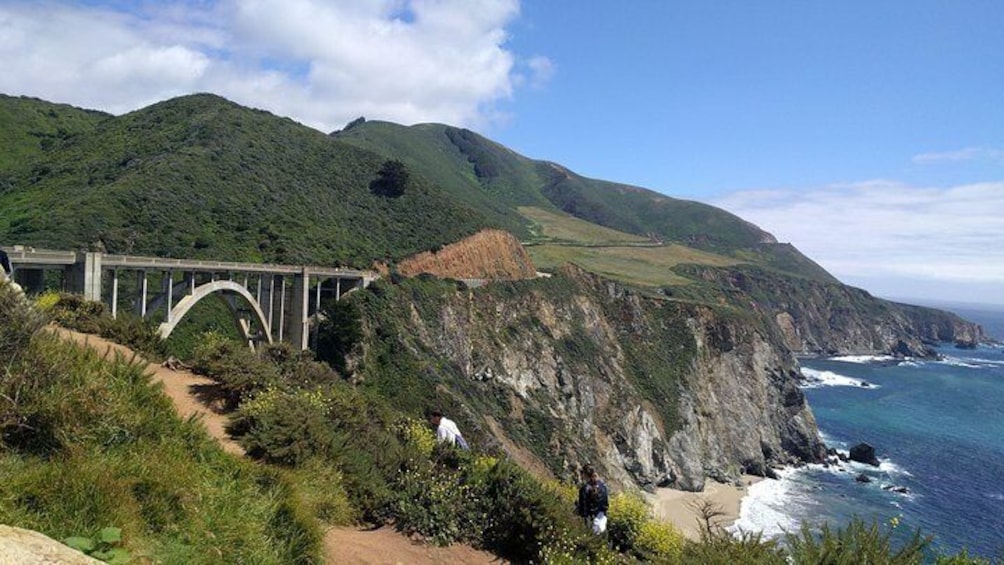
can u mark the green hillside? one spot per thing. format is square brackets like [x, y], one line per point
[478, 169]
[29, 127]
[199, 176]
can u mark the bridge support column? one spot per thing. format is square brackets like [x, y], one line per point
[299, 326]
[115, 293]
[169, 292]
[141, 290]
[84, 276]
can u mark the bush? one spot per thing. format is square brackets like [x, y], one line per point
[320, 488]
[286, 428]
[19, 322]
[721, 547]
[135, 332]
[435, 503]
[857, 543]
[659, 542]
[238, 370]
[627, 513]
[74, 312]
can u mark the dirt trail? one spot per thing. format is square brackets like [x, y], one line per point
[387, 547]
[347, 546]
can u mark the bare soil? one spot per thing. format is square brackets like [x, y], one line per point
[488, 254]
[192, 396]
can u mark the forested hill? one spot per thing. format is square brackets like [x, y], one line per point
[199, 176]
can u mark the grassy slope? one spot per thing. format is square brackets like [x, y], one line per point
[541, 191]
[428, 149]
[201, 177]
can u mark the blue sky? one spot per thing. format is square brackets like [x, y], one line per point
[869, 134]
[710, 97]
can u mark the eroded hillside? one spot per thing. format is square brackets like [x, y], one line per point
[489, 254]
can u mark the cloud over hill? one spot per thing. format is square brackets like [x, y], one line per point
[321, 62]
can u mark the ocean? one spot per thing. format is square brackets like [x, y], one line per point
[938, 431]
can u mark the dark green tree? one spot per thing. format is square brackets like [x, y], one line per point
[340, 331]
[392, 179]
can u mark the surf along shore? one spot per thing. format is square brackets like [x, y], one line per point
[682, 509]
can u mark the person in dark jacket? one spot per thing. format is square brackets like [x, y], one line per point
[593, 500]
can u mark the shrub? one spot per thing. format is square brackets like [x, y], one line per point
[435, 503]
[139, 334]
[238, 370]
[19, 322]
[74, 312]
[287, 428]
[719, 546]
[857, 543]
[320, 488]
[47, 300]
[627, 513]
[659, 542]
[417, 434]
[297, 368]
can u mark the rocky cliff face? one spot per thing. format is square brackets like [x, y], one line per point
[830, 319]
[576, 369]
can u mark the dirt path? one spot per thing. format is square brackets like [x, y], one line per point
[387, 547]
[347, 546]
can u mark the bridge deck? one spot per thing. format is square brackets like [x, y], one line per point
[51, 258]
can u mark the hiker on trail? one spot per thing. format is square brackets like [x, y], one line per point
[446, 430]
[593, 500]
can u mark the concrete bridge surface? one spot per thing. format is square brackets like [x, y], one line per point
[269, 302]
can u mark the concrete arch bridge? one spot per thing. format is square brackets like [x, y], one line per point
[268, 302]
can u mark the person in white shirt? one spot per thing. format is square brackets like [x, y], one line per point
[447, 430]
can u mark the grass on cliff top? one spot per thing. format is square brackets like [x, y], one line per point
[87, 443]
[552, 225]
[641, 266]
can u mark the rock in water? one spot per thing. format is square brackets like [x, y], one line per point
[863, 478]
[864, 453]
[26, 547]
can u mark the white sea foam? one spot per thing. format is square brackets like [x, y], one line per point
[862, 359]
[890, 468]
[815, 378]
[956, 362]
[767, 506]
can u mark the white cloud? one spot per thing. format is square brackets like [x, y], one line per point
[321, 62]
[890, 231]
[960, 155]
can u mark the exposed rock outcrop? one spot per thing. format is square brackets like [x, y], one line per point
[864, 453]
[579, 369]
[27, 547]
[822, 318]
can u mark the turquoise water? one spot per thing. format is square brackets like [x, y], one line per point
[938, 429]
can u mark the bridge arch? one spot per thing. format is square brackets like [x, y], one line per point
[202, 291]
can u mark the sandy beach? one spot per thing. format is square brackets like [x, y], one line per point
[677, 506]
